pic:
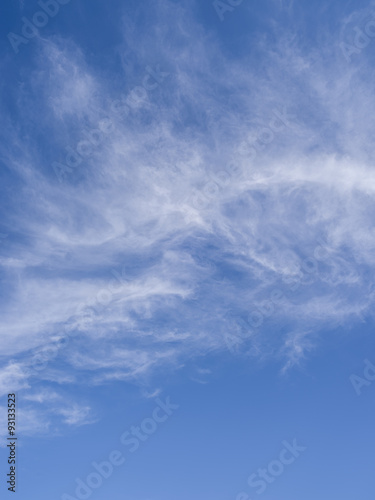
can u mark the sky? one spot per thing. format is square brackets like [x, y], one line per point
[187, 249]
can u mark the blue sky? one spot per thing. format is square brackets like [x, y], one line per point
[187, 249]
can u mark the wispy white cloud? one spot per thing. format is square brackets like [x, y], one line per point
[204, 197]
[76, 415]
[42, 396]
